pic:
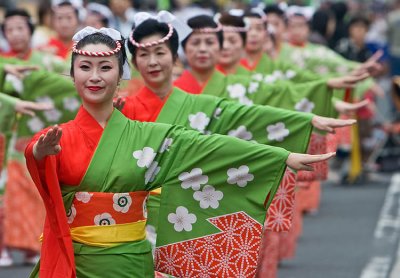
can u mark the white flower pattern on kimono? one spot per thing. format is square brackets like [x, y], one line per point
[35, 124]
[322, 70]
[71, 104]
[246, 101]
[199, 121]
[304, 105]
[269, 79]
[193, 179]
[71, 213]
[145, 207]
[278, 75]
[253, 87]
[104, 219]
[277, 132]
[151, 173]
[258, 77]
[151, 234]
[217, 113]
[208, 197]
[122, 202]
[45, 99]
[239, 176]
[145, 157]
[241, 132]
[166, 144]
[182, 219]
[84, 197]
[290, 74]
[17, 83]
[236, 90]
[52, 115]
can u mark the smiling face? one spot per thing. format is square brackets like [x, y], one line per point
[202, 51]
[96, 78]
[155, 63]
[256, 35]
[17, 33]
[232, 49]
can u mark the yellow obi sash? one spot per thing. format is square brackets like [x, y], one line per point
[106, 219]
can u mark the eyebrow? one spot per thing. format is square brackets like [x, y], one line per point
[102, 61]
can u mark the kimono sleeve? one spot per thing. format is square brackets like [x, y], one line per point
[311, 97]
[267, 125]
[211, 176]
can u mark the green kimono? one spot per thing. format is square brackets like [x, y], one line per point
[205, 180]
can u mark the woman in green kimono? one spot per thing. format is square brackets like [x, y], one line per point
[158, 101]
[100, 167]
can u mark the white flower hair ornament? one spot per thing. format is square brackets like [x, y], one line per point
[172, 21]
[113, 34]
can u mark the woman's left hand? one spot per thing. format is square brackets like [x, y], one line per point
[28, 107]
[329, 124]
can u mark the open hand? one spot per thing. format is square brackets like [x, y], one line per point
[346, 82]
[329, 124]
[28, 107]
[348, 108]
[298, 161]
[119, 103]
[19, 70]
[48, 144]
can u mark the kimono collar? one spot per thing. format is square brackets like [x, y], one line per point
[13, 54]
[88, 124]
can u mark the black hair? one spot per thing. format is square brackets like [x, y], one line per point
[99, 38]
[227, 19]
[43, 10]
[18, 12]
[251, 14]
[203, 21]
[319, 21]
[151, 27]
[359, 19]
[104, 20]
[274, 9]
[68, 4]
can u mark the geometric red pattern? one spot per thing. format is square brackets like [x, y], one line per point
[318, 145]
[231, 253]
[280, 212]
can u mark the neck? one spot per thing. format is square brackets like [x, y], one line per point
[23, 54]
[65, 41]
[359, 43]
[161, 91]
[100, 112]
[202, 76]
[231, 68]
[253, 57]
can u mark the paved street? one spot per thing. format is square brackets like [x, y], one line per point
[354, 235]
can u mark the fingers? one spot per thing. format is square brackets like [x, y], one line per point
[342, 123]
[377, 55]
[358, 105]
[309, 159]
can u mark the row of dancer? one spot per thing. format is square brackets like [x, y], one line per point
[154, 51]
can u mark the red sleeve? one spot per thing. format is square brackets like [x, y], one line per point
[57, 256]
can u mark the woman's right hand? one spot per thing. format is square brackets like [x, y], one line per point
[19, 70]
[48, 144]
[299, 161]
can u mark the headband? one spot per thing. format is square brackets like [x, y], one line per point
[113, 34]
[172, 21]
[208, 29]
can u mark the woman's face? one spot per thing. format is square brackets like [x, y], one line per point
[202, 51]
[96, 78]
[232, 49]
[17, 33]
[256, 35]
[155, 63]
[298, 29]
